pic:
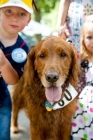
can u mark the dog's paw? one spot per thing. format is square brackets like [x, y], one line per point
[14, 129]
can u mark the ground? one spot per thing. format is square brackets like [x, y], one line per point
[24, 128]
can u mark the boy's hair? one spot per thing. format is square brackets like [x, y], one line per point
[25, 4]
[83, 50]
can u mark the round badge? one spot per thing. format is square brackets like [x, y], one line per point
[19, 55]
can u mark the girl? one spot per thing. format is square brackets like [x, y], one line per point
[71, 16]
[82, 123]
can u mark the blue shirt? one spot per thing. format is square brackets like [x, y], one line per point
[20, 43]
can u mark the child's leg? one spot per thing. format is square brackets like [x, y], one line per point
[5, 119]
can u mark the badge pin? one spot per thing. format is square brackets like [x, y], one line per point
[19, 55]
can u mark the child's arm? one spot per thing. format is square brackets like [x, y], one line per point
[62, 15]
[8, 72]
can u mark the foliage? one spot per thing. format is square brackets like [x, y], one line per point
[45, 6]
[47, 13]
[50, 19]
[47, 10]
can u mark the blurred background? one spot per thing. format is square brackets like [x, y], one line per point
[43, 22]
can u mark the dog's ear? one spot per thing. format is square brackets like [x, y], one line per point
[29, 67]
[75, 68]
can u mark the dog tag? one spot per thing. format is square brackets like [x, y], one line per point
[48, 106]
[19, 55]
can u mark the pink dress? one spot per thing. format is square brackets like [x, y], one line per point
[77, 13]
[82, 122]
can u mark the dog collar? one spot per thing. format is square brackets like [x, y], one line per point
[69, 94]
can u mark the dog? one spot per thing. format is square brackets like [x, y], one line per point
[47, 90]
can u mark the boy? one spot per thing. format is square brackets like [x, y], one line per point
[14, 16]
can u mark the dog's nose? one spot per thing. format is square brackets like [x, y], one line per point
[52, 76]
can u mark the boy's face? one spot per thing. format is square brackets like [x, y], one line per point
[88, 37]
[14, 19]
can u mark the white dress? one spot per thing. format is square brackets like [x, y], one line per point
[82, 122]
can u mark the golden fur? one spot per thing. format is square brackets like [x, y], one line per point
[52, 62]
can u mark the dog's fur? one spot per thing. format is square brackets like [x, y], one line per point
[51, 63]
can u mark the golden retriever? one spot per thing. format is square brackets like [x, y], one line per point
[50, 77]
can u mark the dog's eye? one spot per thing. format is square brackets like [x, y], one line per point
[62, 54]
[42, 55]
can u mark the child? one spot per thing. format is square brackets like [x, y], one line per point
[82, 123]
[14, 16]
[71, 16]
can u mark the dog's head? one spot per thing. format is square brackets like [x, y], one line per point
[54, 62]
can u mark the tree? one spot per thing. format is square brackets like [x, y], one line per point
[45, 7]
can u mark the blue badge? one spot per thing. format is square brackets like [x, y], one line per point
[19, 55]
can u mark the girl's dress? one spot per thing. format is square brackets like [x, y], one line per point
[82, 122]
[77, 13]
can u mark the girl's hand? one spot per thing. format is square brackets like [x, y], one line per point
[3, 59]
[64, 32]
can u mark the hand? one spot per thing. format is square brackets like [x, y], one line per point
[8, 73]
[3, 59]
[64, 32]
